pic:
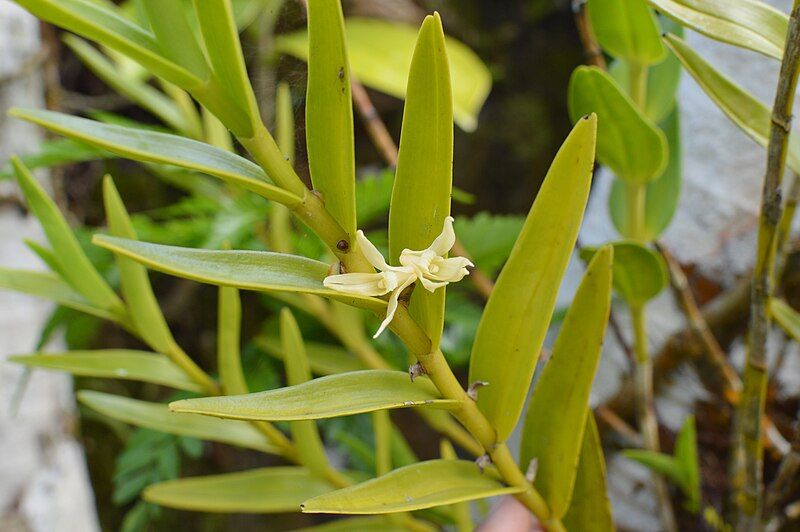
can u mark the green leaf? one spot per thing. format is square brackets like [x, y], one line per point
[749, 24]
[414, 487]
[129, 86]
[304, 433]
[157, 416]
[114, 364]
[333, 396]
[266, 490]
[50, 286]
[627, 142]
[57, 152]
[175, 36]
[362, 524]
[329, 113]
[221, 37]
[229, 359]
[324, 359]
[489, 238]
[284, 121]
[101, 22]
[627, 29]
[686, 455]
[639, 272]
[248, 270]
[460, 510]
[590, 508]
[566, 381]
[142, 303]
[741, 107]
[516, 318]
[786, 317]
[661, 463]
[661, 194]
[380, 53]
[75, 265]
[155, 147]
[424, 178]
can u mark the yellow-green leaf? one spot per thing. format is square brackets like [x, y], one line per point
[329, 113]
[50, 286]
[114, 364]
[554, 440]
[224, 51]
[741, 107]
[627, 142]
[590, 508]
[627, 29]
[424, 179]
[175, 36]
[75, 265]
[324, 359]
[142, 303]
[304, 432]
[380, 55]
[248, 270]
[787, 317]
[639, 272]
[157, 416]
[413, 487]
[686, 455]
[749, 24]
[333, 396]
[129, 86]
[516, 318]
[155, 147]
[101, 22]
[266, 490]
[229, 360]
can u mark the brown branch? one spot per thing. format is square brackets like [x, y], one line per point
[592, 51]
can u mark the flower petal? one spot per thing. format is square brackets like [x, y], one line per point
[451, 270]
[367, 284]
[392, 307]
[444, 242]
[371, 252]
[431, 286]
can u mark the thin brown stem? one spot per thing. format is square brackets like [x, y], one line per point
[749, 439]
[591, 50]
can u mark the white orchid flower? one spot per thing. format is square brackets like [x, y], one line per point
[429, 266]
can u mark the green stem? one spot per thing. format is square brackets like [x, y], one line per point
[638, 84]
[636, 197]
[748, 476]
[177, 355]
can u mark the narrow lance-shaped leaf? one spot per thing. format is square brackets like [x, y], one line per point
[380, 53]
[414, 487]
[129, 86]
[304, 432]
[221, 38]
[79, 271]
[266, 490]
[555, 440]
[741, 107]
[249, 270]
[329, 113]
[284, 121]
[750, 24]
[627, 142]
[333, 396]
[142, 303]
[51, 287]
[103, 23]
[516, 318]
[686, 455]
[114, 364]
[627, 29]
[229, 360]
[176, 39]
[156, 416]
[324, 359]
[787, 317]
[424, 179]
[460, 510]
[590, 508]
[155, 147]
